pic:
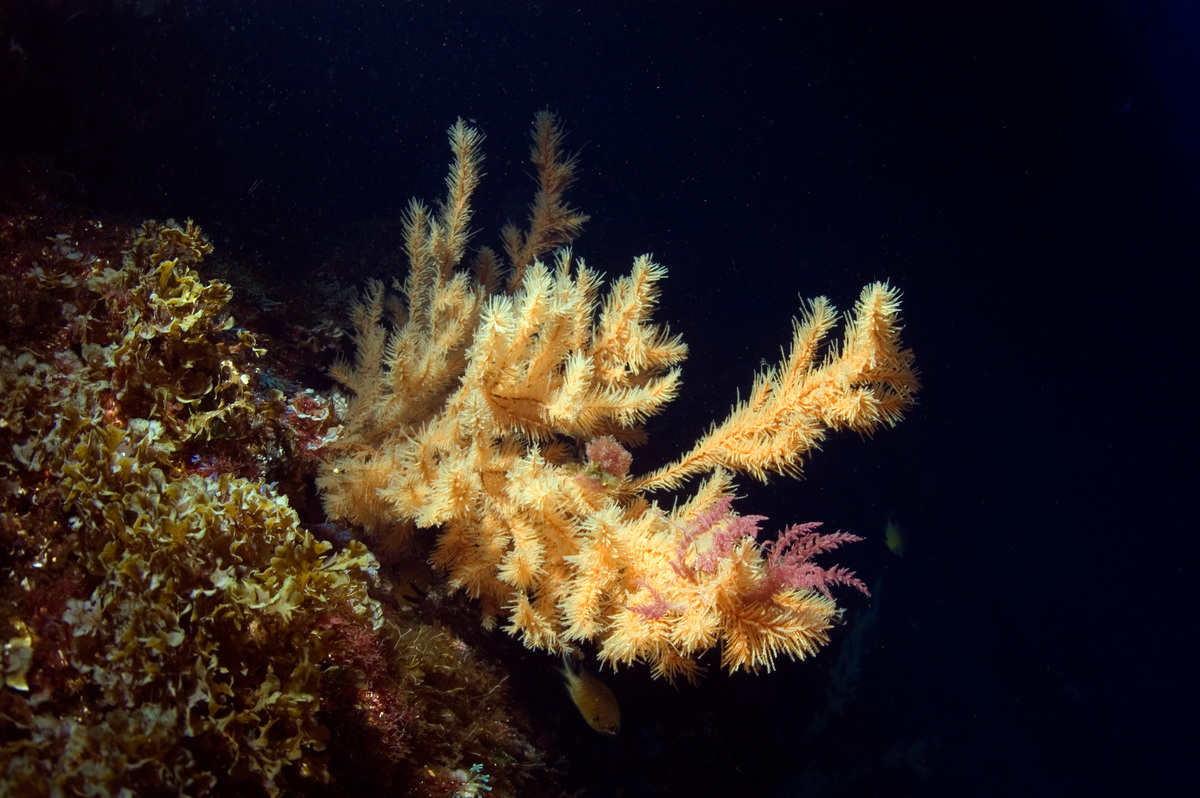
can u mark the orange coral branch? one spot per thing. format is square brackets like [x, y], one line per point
[472, 408]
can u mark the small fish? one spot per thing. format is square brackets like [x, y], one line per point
[595, 701]
[894, 537]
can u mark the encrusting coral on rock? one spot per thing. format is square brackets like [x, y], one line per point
[495, 415]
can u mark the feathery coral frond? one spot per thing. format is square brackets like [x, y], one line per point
[450, 234]
[794, 405]
[552, 222]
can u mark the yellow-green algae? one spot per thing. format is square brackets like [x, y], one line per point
[181, 631]
[198, 638]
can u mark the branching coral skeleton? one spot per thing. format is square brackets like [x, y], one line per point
[471, 403]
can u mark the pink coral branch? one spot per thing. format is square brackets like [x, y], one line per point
[724, 529]
[607, 453]
[658, 607]
[725, 537]
[789, 561]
